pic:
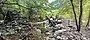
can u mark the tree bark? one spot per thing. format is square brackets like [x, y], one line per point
[80, 15]
[88, 19]
[74, 12]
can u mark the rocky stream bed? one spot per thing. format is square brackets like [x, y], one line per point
[20, 29]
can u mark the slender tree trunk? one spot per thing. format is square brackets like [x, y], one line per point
[74, 12]
[88, 19]
[80, 15]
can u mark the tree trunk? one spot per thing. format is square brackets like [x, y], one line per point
[88, 19]
[80, 15]
[74, 12]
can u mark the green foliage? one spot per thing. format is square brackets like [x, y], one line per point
[30, 8]
[37, 10]
[43, 29]
[41, 8]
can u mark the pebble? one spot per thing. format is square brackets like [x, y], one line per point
[38, 31]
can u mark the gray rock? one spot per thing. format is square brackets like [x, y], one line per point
[59, 25]
[58, 37]
[52, 38]
[38, 31]
[60, 31]
[48, 33]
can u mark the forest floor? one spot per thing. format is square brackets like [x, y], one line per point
[63, 31]
[19, 28]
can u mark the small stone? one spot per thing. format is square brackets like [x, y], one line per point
[47, 38]
[88, 28]
[48, 33]
[84, 38]
[60, 31]
[39, 31]
[55, 35]
[6, 33]
[20, 39]
[0, 33]
[59, 25]
[52, 38]
[1, 21]
[58, 37]
[19, 28]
